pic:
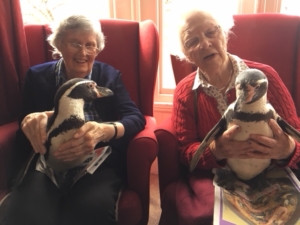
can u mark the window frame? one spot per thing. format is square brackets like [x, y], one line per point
[140, 10]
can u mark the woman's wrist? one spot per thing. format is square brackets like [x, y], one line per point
[115, 131]
[214, 152]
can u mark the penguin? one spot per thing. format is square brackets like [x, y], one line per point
[251, 111]
[68, 116]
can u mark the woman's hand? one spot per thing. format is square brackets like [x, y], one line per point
[34, 127]
[84, 140]
[281, 146]
[225, 147]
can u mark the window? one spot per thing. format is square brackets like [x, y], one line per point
[290, 7]
[44, 11]
[160, 11]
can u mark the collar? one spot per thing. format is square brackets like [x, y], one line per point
[238, 66]
[60, 75]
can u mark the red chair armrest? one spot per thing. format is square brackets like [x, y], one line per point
[141, 153]
[168, 157]
[130, 208]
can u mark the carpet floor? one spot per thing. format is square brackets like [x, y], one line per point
[155, 209]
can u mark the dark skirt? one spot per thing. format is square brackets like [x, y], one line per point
[37, 200]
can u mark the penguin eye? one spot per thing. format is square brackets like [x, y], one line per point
[257, 87]
[90, 85]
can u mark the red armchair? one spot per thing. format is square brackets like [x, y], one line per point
[271, 39]
[133, 48]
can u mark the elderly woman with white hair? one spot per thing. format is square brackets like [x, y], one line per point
[93, 198]
[200, 100]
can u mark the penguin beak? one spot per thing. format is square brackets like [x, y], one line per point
[245, 94]
[249, 94]
[103, 92]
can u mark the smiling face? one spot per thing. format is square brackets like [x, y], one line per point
[203, 41]
[77, 64]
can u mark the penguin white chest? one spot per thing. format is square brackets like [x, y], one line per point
[60, 139]
[249, 168]
[248, 128]
[68, 108]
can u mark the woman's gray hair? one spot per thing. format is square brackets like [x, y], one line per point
[223, 18]
[74, 22]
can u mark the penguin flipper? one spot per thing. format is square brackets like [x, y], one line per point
[216, 131]
[287, 128]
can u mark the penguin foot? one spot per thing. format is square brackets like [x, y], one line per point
[226, 179]
[259, 182]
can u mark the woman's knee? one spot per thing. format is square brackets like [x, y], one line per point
[100, 208]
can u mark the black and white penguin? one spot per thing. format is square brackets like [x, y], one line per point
[68, 116]
[251, 111]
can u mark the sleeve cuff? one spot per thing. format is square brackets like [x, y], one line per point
[292, 160]
[211, 161]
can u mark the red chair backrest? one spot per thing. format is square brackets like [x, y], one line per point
[131, 47]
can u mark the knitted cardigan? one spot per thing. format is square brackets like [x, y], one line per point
[189, 134]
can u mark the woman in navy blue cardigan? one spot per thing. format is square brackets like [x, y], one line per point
[93, 198]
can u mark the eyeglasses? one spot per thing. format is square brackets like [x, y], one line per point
[210, 33]
[75, 47]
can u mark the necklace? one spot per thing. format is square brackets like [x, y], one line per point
[228, 82]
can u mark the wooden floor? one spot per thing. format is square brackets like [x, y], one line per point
[155, 210]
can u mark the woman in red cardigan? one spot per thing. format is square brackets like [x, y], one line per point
[203, 40]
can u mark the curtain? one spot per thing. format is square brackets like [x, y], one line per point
[14, 61]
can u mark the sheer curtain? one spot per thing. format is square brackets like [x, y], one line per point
[14, 60]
